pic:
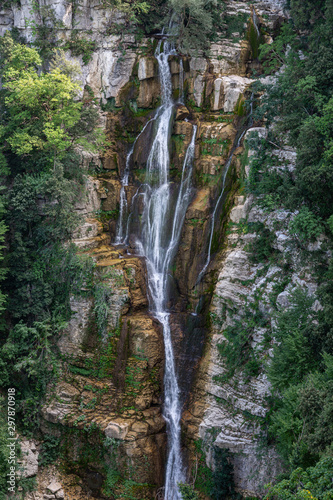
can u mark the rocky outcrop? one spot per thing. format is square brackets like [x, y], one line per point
[28, 463]
[226, 408]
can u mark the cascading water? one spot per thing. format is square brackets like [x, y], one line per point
[157, 235]
[255, 22]
[225, 173]
[121, 232]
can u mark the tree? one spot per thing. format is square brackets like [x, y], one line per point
[194, 23]
[41, 107]
[314, 483]
[41, 123]
[187, 492]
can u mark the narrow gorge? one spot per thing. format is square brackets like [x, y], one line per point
[158, 375]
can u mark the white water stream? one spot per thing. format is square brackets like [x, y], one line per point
[225, 173]
[121, 234]
[157, 240]
[256, 22]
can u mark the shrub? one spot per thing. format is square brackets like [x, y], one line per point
[314, 483]
[261, 249]
[50, 450]
[187, 492]
[305, 225]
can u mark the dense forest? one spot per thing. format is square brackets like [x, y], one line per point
[43, 127]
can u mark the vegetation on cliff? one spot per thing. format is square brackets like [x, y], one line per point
[301, 103]
[42, 122]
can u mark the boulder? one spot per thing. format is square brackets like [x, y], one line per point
[182, 112]
[29, 460]
[117, 430]
[54, 486]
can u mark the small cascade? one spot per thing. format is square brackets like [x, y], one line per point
[157, 231]
[255, 21]
[122, 225]
[225, 173]
[120, 234]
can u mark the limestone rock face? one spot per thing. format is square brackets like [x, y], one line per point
[227, 91]
[28, 463]
[147, 68]
[108, 70]
[225, 409]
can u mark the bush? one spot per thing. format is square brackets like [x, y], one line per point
[314, 483]
[187, 492]
[223, 480]
[237, 351]
[261, 249]
[50, 450]
[306, 226]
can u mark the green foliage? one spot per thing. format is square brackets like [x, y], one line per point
[301, 374]
[293, 358]
[306, 12]
[305, 225]
[274, 55]
[302, 419]
[106, 215]
[29, 363]
[217, 483]
[223, 480]
[237, 351]
[236, 25]
[302, 98]
[50, 450]
[133, 9]
[40, 106]
[240, 109]
[314, 483]
[80, 46]
[261, 249]
[102, 295]
[3, 229]
[198, 21]
[268, 183]
[204, 476]
[187, 492]
[4, 466]
[254, 40]
[41, 122]
[45, 29]
[68, 68]
[112, 479]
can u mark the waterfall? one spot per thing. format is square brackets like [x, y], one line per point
[225, 173]
[158, 231]
[121, 234]
[255, 22]
[120, 239]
